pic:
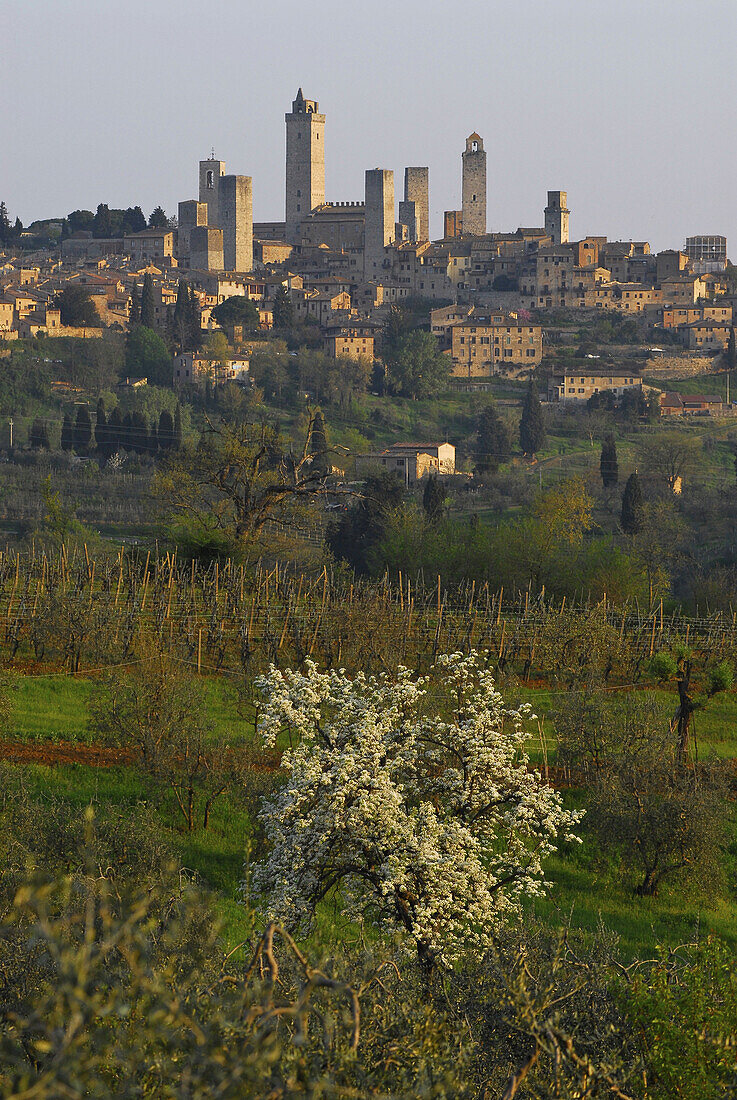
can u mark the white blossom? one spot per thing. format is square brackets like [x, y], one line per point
[412, 795]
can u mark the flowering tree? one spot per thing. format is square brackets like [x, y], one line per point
[426, 817]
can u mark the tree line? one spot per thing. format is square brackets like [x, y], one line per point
[128, 431]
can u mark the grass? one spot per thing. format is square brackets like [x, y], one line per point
[586, 888]
[55, 707]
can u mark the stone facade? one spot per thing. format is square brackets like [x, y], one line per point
[210, 172]
[206, 248]
[480, 346]
[557, 217]
[190, 214]
[235, 214]
[417, 193]
[473, 198]
[379, 220]
[305, 164]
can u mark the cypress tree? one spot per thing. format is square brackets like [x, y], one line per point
[67, 433]
[82, 429]
[114, 430]
[632, 506]
[731, 351]
[318, 445]
[433, 498]
[194, 324]
[153, 438]
[532, 423]
[493, 442]
[148, 316]
[126, 432]
[166, 430]
[608, 465]
[39, 435]
[134, 317]
[139, 433]
[283, 309]
[181, 318]
[101, 434]
[178, 427]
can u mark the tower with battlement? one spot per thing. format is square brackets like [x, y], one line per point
[380, 224]
[473, 195]
[305, 164]
[557, 215]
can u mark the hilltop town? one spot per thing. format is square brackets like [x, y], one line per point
[493, 300]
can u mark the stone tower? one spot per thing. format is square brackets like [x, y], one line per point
[210, 172]
[414, 212]
[556, 217]
[305, 162]
[235, 218]
[474, 187]
[379, 231]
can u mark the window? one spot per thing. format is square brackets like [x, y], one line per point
[210, 179]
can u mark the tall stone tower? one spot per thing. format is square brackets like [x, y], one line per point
[235, 218]
[305, 162]
[210, 172]
[414, 212]
[379, 231]
[474, 187]
[556, 217]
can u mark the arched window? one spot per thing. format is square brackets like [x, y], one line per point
[210, 178]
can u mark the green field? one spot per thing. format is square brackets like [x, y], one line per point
[585, 888]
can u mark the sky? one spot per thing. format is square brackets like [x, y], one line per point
[630, 106]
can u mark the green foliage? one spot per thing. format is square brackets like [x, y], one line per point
[237, 310]
[76, 306]
[417, 366]
[684, 1013]
[147, 356]
[148, 314]
[532, 424]
[493, 443]
[663, 667]
[608, 465]
[283, 309]
[434, 498]
[721, 678]
[157, 219]
[82, 430]
[355, 537]
[633, 505]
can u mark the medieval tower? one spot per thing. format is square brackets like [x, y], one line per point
[210, 172]
[474, 187]
[305, 173]
[556, 217]
[235, 218]
[414, 211]
[380, 223]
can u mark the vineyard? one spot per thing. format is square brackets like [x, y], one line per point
[70, 611]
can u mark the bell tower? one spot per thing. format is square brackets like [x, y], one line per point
[474, 186]
[305, 167]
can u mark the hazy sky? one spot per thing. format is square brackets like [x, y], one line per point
[629, 105]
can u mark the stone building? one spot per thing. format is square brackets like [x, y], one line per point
[380, 223]
[190, 214]
[414, 211]
[577, 384]
[480, 346]
[557, 217]
[210, 172]
[206, 248]
[305, 163]
[235, 218]
[473, 195]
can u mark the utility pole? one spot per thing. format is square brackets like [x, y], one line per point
[10, 425]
